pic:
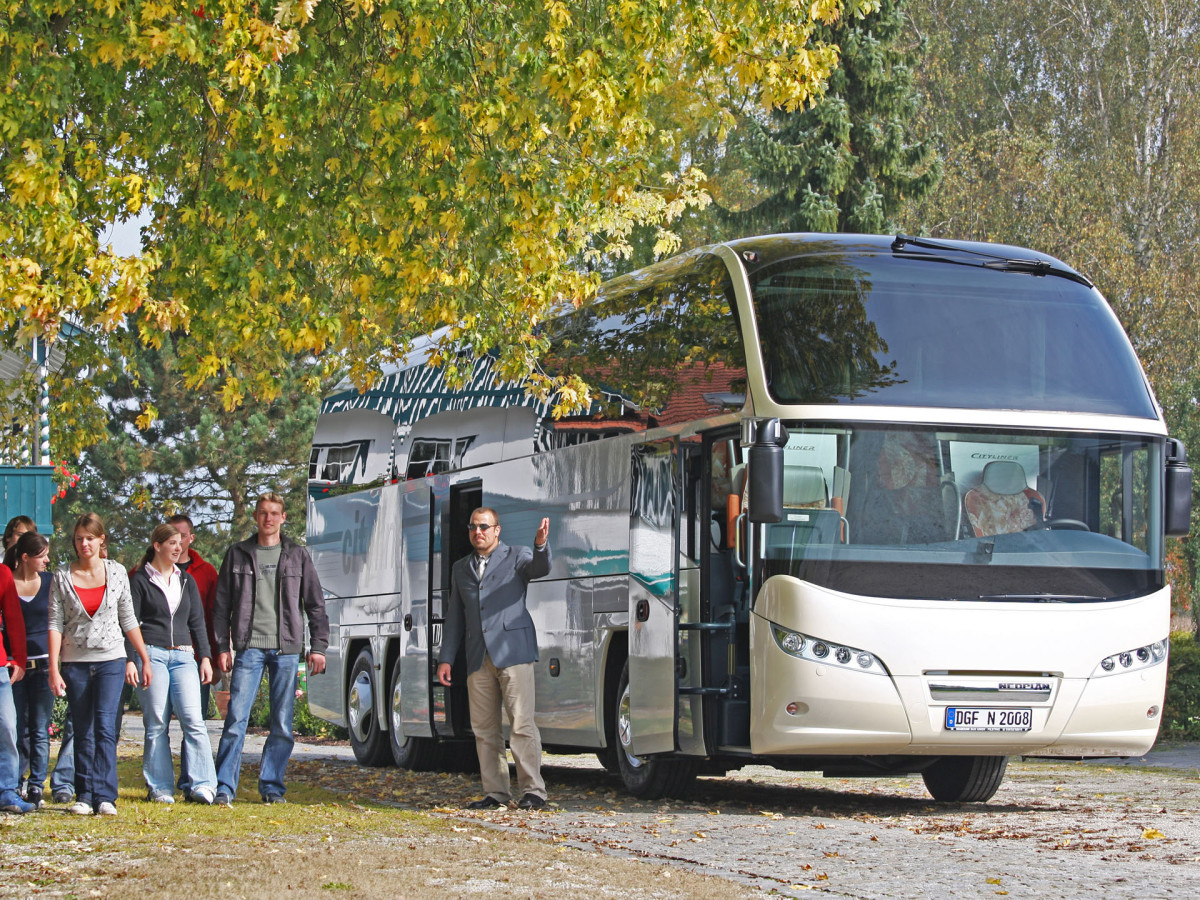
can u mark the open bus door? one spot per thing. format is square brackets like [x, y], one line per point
[435, 534]
[450, 707]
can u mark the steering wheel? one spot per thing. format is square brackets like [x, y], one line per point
[1065, 524]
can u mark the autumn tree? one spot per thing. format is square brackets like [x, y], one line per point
[325, 180]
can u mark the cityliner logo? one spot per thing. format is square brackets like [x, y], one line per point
[990, 456]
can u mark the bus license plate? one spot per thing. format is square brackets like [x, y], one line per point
[969, 718]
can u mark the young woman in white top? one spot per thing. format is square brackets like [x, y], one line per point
[167, 603]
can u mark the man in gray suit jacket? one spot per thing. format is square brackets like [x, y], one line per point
[486, 610]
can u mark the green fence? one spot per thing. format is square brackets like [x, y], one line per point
[27, 491]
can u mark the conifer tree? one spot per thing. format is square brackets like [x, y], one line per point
[850, 160]
[194, 457]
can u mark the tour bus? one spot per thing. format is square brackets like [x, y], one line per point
[854, 504]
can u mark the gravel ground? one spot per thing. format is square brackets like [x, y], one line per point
[1054, 830]
[1117, 829]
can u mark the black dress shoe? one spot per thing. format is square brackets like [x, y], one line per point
[488, 802]
[531, 801]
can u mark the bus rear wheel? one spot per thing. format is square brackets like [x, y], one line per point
[367, 737]
[413, 753]
[646, 778]
[965, 779]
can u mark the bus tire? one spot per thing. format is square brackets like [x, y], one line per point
[647, 779]
[608, 759]
[460, 756]
[965, 779]
[367, 735]
[415, 754]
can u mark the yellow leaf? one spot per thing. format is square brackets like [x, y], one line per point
[147, 418]
[1151, 834]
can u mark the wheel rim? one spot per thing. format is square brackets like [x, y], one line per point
[625, 730]
[359, 706]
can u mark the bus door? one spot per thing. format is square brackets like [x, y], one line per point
[714, 490]
[656, 480]
[694, 632]
[418, 645]
[449, 707]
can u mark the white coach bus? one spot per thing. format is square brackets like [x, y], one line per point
[854, 504]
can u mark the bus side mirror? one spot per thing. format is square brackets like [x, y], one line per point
[764, 470]
[1177, 499]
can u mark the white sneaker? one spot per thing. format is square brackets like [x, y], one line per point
[79, 808]
[106, 809]
[162, 798]
[203, 795]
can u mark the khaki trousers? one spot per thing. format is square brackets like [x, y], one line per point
[511, 686]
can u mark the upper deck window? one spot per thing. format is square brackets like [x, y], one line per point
[841, 327]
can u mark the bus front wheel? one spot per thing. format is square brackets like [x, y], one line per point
[965, 779]
[646, 778]
[416, 754]
[367, 737]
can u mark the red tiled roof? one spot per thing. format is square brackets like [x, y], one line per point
[685, 404]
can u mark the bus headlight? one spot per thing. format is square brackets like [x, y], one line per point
[817, 650]
[1133, 660]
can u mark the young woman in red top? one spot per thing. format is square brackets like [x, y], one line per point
[91, 617]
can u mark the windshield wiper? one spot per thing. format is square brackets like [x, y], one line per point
[1041, 598]
[1033, 266]
[994, 261]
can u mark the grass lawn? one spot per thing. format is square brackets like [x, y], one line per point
[317, 844]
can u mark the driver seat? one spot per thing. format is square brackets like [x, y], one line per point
[1003, 502]
[804, 487]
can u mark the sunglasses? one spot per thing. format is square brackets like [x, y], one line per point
[474, 527]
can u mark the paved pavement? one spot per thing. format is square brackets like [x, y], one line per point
[132, 731]
[1169, 756]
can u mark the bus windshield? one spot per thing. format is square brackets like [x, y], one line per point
[856, 327]
[937, 513]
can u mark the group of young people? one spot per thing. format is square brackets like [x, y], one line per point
[169, 626]
[91, 628]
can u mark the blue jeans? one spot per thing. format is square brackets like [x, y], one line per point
[175, 687]
[185, 779]
[35, 705]
[63, 776]
[94, 692]
[10, 776]
[247, 675]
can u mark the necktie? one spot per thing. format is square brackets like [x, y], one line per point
[480, 565]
